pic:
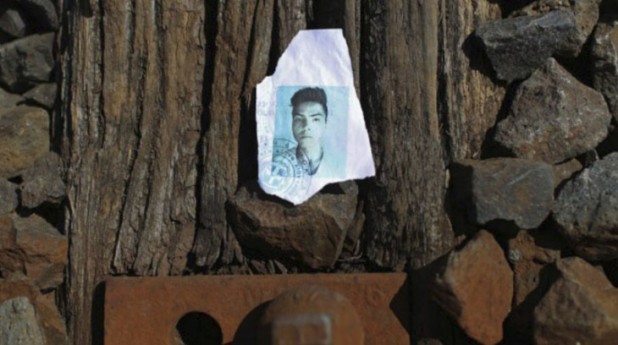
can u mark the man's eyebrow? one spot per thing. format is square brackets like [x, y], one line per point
[310, 115]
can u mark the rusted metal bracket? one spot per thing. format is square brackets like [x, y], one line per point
[147, 310]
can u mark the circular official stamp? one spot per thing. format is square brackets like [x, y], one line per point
[281, 173]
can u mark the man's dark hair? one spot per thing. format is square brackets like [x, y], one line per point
[310, 94]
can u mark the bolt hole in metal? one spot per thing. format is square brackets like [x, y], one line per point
[197, 328]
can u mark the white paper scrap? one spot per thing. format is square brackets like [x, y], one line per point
[310, 125]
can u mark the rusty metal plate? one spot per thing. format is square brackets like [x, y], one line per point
[146, 310]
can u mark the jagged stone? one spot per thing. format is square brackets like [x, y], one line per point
[9, 100]
[51, 320]
[476, 287]
[10, 289]
[12, 22]
[42, 182]
[26, 62]
[586, 210]
[586, 16]
[605, 63]
[8, 196]
[581, 307]
[554, 117]
[531, 279]
[49, 317]
[527, 260]
[564, 171]
[518, 46]
[43, 11]
[19, 324]
[43, 94]
[32, 247]
[505, 189]
[312, 233]
[24, 138]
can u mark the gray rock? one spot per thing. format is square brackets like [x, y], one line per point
[554, 117]
[24, 138]
[312, 233]
[605, 62]
[508, 189]
[26, 62]
[581, 307]
[8, 196]
[12, 22]
[9, 100]
[586, 210]
[18, 323]
[518, 46]
[43, 182]
[43, 94]
[43, 11]
[475, 287]
[51, 322]
[586, 16]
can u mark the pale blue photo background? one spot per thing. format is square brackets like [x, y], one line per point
[336, 132]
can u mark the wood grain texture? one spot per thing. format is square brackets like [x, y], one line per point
[134, 77]
[291, 17]
[469, 101]
[158, 127]
[406, 221]
[242, 48]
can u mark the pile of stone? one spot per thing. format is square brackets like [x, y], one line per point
[33, 252]
[540, 264]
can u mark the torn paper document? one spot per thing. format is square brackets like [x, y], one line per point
[310, 125]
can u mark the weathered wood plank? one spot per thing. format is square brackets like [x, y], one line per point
[406, 220]
[238, 23]
[291, 17]
[469, 101]
[135, 76]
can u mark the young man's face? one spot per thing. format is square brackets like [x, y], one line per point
[308, 124]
